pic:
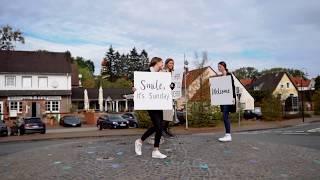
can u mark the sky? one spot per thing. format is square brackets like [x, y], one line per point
[256, 33]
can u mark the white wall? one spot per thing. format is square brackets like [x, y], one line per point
[246, 99]
[55, 82]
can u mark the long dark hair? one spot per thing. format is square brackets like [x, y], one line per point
[222, 63]
[167, 62]
[154, 61]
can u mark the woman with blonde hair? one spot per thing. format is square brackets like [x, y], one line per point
[168, 115]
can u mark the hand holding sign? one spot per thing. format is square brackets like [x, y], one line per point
[152, 91]
[221, 90]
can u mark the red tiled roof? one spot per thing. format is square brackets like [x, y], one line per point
[246, 82]
[297, 81]
[193, 75]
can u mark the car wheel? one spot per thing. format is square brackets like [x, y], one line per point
[43, 132]
[100, 127]
[135, 125]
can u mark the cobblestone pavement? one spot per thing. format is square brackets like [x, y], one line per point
[190, 157]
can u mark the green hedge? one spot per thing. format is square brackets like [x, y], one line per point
[202, 114]
[144, 119]
[316, 102]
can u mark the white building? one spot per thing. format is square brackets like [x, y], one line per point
[34, 83]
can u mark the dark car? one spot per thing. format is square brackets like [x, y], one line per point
[3, 129]
[132, 118]
[112, 121]
[70, 121]
[32, 125]
[253, 114]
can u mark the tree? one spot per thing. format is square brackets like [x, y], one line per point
[317, 85]
[144, 59]
[110, 55]
[84, 63]
[316, 101]
[8, 36]
[86, 69]
[246, 72]
[292, 72]
[124, 65]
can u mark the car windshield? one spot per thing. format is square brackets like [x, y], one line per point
[115, 117]
[33, 120]
[71, 119]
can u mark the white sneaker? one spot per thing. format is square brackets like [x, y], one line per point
[157, 154]
[226, 138]
[137, 147]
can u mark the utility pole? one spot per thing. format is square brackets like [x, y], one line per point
[185, 87]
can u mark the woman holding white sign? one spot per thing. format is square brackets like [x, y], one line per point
[168, 114]
[226, 109]
[156, 116]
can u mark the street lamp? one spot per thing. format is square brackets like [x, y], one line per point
[80, 77]
[186, 63]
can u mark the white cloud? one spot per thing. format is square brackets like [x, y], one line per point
[287, 32]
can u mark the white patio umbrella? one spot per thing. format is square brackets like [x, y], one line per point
[86, 100]
[100, 99]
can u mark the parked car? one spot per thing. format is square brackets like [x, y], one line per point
[70, 121]
[253, 114]
[112, 121]
[132, 118]
[32, 125]
[3, 129]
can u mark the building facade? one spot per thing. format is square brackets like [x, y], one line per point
[34, 84]
[198, 88]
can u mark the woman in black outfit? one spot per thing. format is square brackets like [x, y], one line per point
[156, 116]
[226, 109]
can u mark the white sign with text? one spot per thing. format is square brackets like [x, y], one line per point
[221, 90]
[177, 80]
[152, 91]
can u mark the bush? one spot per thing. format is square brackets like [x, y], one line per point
[143, 118]
[202, 114]
[271, 108]
[316, 102]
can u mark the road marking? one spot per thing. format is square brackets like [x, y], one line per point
[314, 130]
[294, 133]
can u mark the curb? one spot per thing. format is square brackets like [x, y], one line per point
[133, 134]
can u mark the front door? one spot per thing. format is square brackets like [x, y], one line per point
[1, 110]
[34, 109]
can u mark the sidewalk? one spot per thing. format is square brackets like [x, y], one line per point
[92, 131]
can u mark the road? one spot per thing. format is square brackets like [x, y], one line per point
[304, 135]
[288, 153]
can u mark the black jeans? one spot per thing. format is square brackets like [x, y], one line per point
[226, 120]
[156, 118]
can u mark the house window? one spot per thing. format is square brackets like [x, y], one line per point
[43, 82]
[26, 82]
[10, 81]
[288, 85]
[281, 86]
[15, 105]
[48, 104]
[20, 106]
[52, 106]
